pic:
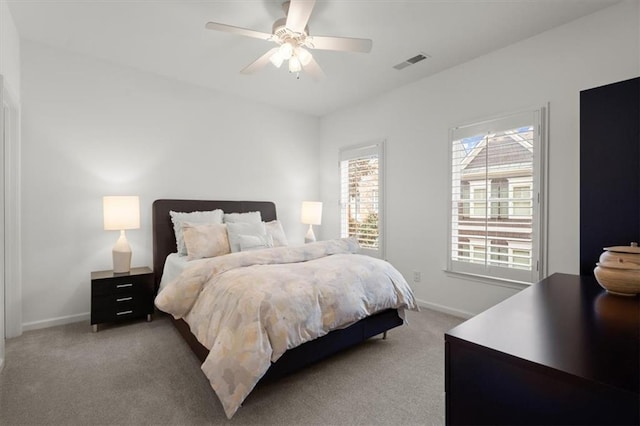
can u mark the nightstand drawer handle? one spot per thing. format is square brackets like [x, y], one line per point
[124, 312]
[124, 285]
[124, 299]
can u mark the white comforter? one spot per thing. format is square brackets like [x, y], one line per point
[248, 308]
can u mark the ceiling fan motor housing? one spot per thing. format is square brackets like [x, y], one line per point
[282, 33]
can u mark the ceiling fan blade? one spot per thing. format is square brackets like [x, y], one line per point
[259, 63]
[314, 70]
[237, 30]
[344, 44]
[298, 14]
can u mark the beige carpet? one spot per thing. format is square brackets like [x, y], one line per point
[143, 373]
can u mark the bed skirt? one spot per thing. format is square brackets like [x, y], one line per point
[315, 350]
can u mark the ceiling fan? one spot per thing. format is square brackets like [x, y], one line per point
[291, 34]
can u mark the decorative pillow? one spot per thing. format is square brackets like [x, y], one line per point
[255, 242]
[250, 217]
[213, 216]
[205, 240]
[234, 230]
[274, 229]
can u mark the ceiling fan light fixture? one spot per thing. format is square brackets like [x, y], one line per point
[277, 59]
[294, 64]
[291, 36]
[286, 50]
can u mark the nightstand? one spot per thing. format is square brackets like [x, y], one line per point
[116, 297]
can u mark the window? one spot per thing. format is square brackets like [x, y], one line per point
[464, 249]
[499, 252]
[479, 204]
[522, 200]
[479, 254]
[465, 196]
[496, 192]
[361, 196]
[521, 258]
[499, 196]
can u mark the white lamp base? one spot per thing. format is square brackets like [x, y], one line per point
[310, 237]
[121, 255]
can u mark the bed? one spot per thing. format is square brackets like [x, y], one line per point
[164, 244]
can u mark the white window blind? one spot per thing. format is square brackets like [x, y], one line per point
[495, 212]
[361, 195]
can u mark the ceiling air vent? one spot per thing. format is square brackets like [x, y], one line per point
[411, 61]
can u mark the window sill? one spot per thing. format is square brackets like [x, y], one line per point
[484, 279]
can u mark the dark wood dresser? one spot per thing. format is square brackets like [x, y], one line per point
[609, 169]
[117, 297]
[560, 352]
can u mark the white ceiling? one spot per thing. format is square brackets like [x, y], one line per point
[168, 38]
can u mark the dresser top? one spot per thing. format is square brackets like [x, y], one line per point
[100, 275]
[568, 323]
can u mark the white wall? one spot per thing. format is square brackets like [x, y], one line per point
[91, 129]
[9, 51]
[552, 67]
[10, 71]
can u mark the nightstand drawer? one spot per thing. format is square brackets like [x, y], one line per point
[112, 315]
[125, 284]
[115, 302]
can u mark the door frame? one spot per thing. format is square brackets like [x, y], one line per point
[12, 223]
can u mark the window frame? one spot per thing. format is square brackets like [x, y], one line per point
[359, 151]
[488, 273]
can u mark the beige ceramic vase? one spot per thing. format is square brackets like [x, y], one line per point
[619, 270]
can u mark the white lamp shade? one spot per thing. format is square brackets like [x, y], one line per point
[277, 59]
[311, 212]
[294, 64]
[285, 50]
[121, 212]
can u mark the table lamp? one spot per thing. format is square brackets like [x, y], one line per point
[311, 215]
[120, 213]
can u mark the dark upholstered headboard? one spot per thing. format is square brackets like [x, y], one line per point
[164, 239]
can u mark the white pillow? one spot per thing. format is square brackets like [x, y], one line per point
[234, 230]
[205, 240]
[213, 216]
[255, 242]
[274, 229]
[250, 217]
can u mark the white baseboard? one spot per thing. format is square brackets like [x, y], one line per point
[445, 309]
[52, 322]
[35, 325]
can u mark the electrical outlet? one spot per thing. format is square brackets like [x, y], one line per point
[417, 276]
